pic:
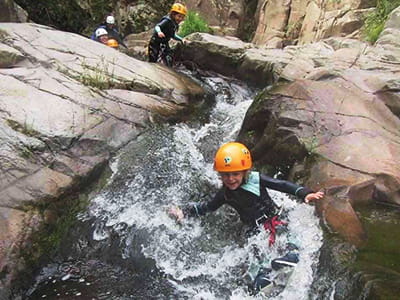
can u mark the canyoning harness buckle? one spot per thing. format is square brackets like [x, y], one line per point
[261, 220]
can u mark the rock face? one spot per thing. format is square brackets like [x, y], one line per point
[330, 115]
[303, 21]
[11, 12]
[67, 102]
[221, 15]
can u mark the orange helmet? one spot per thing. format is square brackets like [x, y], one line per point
[112, 43]
[232, 157]
[179, 8]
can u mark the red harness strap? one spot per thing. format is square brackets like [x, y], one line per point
[270, 225]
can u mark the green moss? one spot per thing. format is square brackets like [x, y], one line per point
[375, 21]
[43, 243]
[50, 238]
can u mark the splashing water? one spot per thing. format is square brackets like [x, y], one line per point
[202, 258]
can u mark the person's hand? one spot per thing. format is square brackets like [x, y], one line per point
[314, 196]
[176, 213]
[161, 35]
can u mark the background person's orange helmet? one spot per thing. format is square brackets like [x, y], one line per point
[112, 43]
[179, 8]
[232, 157]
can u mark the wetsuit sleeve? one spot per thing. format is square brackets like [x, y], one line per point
[177, 37]
[161, 25]
[200, 209]
[284, 186]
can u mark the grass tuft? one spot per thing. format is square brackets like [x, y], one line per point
[193, 23]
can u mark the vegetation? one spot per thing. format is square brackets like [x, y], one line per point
[59, 217]
[375, 21]
[65, 15]
[26, 128]
[98, 76]
[193, 23]
[3, 35]
[311, 143]
[48, 239]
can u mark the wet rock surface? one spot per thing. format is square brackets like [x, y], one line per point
[68, 103]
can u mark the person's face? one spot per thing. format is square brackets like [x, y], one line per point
[179, 18]
[103, 39]
[232, 180]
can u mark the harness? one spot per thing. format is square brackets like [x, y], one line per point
[268, 223]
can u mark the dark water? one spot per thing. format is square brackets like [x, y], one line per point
[378, 263]
[371, 272]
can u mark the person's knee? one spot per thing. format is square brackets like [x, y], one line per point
[289, 260]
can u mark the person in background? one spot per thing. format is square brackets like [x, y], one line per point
[110, 27]
[112, 43]
[101, 35]
[247, 192]
[164, 31]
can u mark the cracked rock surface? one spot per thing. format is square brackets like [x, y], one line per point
[66, 104]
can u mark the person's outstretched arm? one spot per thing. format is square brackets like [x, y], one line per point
[198, 209]
[304, 193]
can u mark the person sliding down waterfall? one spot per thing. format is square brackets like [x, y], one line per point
[246, 191]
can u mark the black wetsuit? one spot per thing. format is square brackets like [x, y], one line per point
[249, 205]
[169, 27]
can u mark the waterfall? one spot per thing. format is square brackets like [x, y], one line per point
[202, 258]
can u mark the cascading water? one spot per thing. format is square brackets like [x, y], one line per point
[138, 252]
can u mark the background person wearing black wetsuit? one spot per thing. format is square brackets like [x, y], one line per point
[164, 31]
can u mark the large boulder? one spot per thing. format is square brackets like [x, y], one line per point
[67, 103]
[339, 134]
